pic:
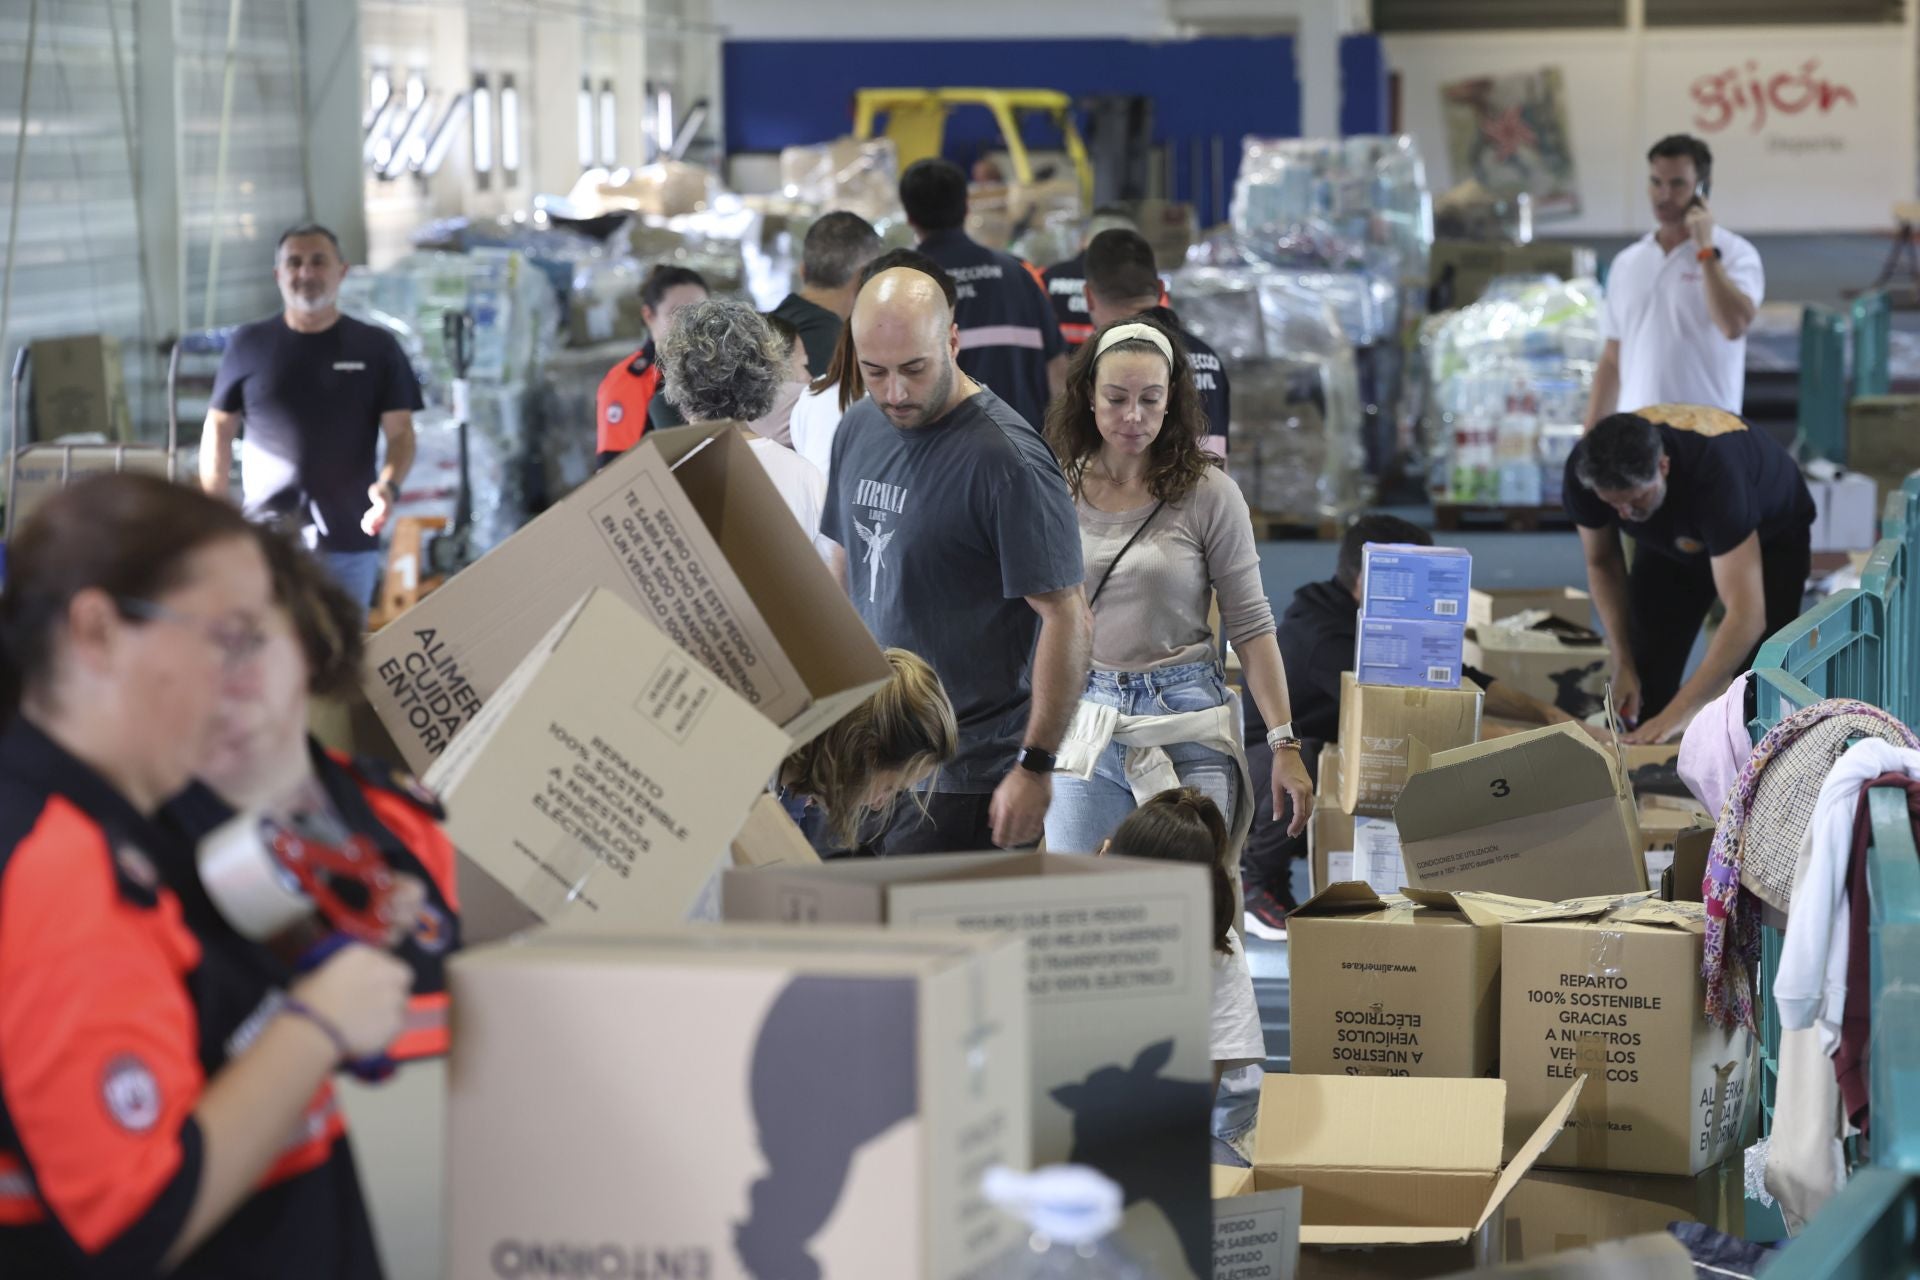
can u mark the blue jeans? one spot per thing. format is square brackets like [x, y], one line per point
[357, 572]
[1084, 814]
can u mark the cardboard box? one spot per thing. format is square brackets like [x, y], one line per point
[688, 529]
[1649, 1257]
[1375, 859]
[1883, 439]
[734, 1102]
[1846, 512]
[1330, 830]
[1569, 604]
[1121, 980]
[1420, 584]
[45, 469]
[79, 388]
[1609, 989]
[1400, 1177]
[769, 838]
[1383, 730]
[1414, 655]
[1256, 1234]
[608, 774]
[1552, 1211]
[1541, 814]
[1171, 227]
[1570, 676]
[1397, 986]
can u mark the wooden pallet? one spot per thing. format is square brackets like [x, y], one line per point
[1451, 517]
[1269, 526]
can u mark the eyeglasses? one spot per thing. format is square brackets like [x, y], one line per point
[237, 641]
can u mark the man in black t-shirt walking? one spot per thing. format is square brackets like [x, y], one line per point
[965, 549]
[1715, 509]
[315, 391]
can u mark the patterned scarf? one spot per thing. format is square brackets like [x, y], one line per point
[1732, 960]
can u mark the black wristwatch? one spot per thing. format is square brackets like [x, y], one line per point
[1037, 760]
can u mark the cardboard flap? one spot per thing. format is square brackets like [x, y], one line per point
[1348, 897]
[1363, 1237]
[1582, 908]
[1532, 1149]
[1377, 1122]
[1529, 773]
[1651, 913]
[1419, 757]
[1434, 899]
[794, 590]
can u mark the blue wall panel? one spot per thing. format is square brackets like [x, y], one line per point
[787, 93]
[1363, 85]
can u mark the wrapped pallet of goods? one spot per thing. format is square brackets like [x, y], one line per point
[1294, 443]
[1508, 379]
[1354, 218]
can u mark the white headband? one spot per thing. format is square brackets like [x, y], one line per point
[1135, 332]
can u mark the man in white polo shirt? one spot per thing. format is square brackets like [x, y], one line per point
[1679, 301]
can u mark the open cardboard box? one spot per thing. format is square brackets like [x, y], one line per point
[687, 529]
[1569, 604]
[1546, 814]
[1256, 1234]
[1387, 731]
[1399, 1177]
[1397, 986]
[1609, 990]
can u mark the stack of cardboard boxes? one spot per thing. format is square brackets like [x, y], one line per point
[1402, 703]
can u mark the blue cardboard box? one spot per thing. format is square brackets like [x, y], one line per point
[1410, 654]
[1406, 583]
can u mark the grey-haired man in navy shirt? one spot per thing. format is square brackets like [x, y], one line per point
[315, 391]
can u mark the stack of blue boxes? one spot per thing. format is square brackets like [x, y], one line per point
[1413, 615]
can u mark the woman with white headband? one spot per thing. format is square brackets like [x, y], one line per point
[1163, 532]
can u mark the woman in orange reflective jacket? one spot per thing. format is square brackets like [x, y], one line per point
[264, 760]
[163, 1108]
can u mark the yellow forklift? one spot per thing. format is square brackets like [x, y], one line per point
[916, 121]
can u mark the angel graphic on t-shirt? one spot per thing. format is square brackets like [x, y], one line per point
[876, 551]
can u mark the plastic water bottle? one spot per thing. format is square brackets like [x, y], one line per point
[1071, 1213]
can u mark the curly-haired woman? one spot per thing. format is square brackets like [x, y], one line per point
[1163, 531]
[722, 363]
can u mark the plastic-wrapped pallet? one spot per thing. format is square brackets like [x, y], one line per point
[1340, 204]
[564, 401]
[1508, 379]
[1294, 444]
[863, 177]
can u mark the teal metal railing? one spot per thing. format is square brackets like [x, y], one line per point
[1861, 643]
[1871, 319]
[1822, 417]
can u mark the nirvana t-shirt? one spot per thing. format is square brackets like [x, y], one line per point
[1726, 482]
[311, 404]
[946, 528]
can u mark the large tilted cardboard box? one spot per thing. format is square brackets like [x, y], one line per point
[1552, 1210]
[1385, 730]
[1401, 1177]
[1545, 814]
[1121, 979]
[606, 777]
[1609, 989]
[1256, 1234]
[79, 388]
[1490, 605]
[734, 1102]
[688, 529]
[1397, 986]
